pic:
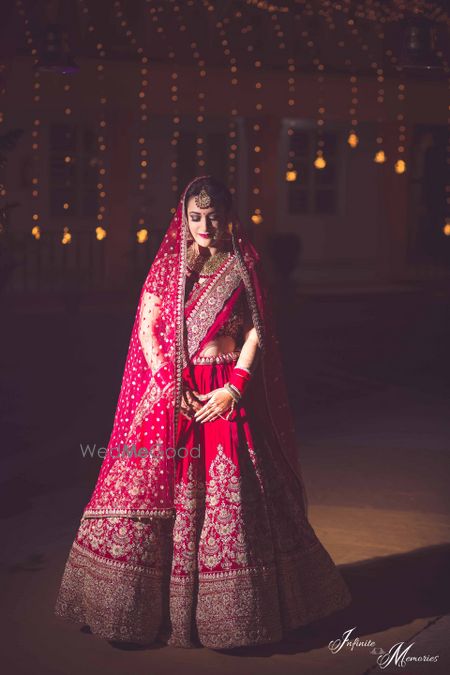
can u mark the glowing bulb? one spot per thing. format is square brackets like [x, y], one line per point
[352, 140]
[291, 176]
[100, 232]
[446, 228]
[320, 162]
[36, 232]
[142, 235]
[257, 218]
[67, 237]
[400, 166]
[380, 157]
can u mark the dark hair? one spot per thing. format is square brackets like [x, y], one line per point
[218, 191]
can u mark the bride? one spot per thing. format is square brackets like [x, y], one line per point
[197, 530]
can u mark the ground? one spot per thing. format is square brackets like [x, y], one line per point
[368, 375]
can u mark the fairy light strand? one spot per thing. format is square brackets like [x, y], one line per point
[232, 139]
[102, 131]
[153, 12]
[36, 228]
[143, 104]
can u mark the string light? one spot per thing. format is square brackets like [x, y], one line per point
[352, 25]
[257, 216]
[353, 136]
[446, 224]
[142, 101]
[319, 161]
[380, 155]
[201, 97]
[173, 83]
[400, 164]
[36, 126]
[291, 173]
[102, 130]
[232, 137]
[176, 119]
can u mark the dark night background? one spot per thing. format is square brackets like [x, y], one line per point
[107, 110]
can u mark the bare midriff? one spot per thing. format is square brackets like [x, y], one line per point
[221, 345]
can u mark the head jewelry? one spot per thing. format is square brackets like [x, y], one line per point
[202, 200]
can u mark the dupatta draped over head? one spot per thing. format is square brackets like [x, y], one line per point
[137, 476]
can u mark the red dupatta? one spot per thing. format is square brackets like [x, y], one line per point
[137, 476]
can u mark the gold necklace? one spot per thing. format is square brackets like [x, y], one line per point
[205, 265]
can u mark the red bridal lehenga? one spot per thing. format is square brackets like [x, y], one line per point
[199, 532]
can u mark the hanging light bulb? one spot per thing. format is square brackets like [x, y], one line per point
[257, 218]
[352, 139]
[142, 235]
[320, 162]
[36, 232]
[446, 227]
[380, 157]
[100, 233]
[67, 237]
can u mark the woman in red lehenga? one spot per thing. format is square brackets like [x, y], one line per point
[197, 530]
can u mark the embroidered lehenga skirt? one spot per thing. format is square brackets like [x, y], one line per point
[239, 564]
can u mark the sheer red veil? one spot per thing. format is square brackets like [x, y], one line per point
[137, 476]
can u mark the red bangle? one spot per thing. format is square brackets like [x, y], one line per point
[239, 378]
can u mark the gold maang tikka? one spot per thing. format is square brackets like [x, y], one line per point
[202, 200]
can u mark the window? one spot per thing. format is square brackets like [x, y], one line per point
[314, 191]
[73, 171]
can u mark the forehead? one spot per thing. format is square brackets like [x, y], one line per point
[191, 205]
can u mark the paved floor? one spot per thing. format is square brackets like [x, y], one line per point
[369, 382]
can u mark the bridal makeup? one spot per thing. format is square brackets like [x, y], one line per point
[205, 225]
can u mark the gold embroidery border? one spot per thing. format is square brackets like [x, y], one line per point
[206, 310]
[168, 512]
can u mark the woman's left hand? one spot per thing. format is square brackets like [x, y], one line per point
[218, 401]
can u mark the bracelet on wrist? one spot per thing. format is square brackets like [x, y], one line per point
[232, 391]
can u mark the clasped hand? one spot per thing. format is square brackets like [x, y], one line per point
[218, 401]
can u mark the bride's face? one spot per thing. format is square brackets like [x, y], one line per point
[206, 225]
